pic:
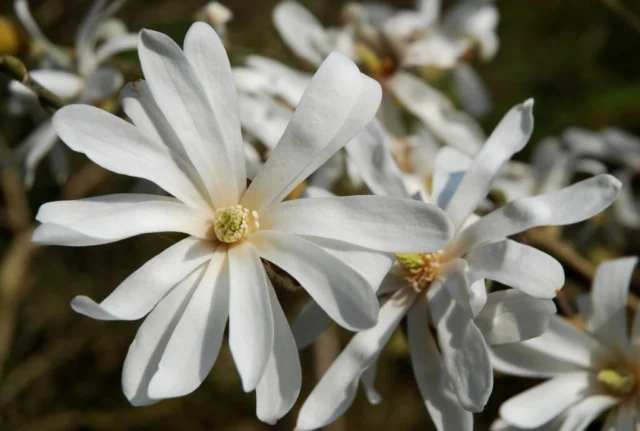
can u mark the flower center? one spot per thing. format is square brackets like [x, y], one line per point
[618, 382]
[419, 269]
[234, 223]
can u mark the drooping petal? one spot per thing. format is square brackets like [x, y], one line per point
[337, 104]
[251, 327]
[119, 146]
[566, 206]
[376, 222]
[208, 57]
[301, 31]
[335, 392]
[431, 376]
[608, 317]
[194, 344]
[341, 291]
[586, 411]
[142, 290]
[280, 385]
[182, 97]
[151, 340]
[509, 137]
[519, 266]
[111, 218]
[510, 316]
[544, 402]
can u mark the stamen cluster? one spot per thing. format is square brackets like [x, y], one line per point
[419, 269]
[234, 223]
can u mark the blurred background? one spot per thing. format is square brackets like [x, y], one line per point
[61, 371]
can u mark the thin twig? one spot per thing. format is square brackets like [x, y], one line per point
[624, 12]
[15, 69]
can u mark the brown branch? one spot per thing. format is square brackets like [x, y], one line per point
[15, 69]
[82, 182]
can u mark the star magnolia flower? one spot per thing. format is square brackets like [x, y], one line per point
[83, 79]
[186, 138]
[383, 40]
[591, 372]
[445, 290]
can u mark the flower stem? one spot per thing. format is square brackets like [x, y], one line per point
[15, 69]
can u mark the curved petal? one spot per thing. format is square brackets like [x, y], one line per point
[142, 290]
[450, 167]
[194, 344]
[65, 85]
[431, 376]
[510, 316]
[264, 118]
[251, 322]
[376, 222]
[471, 91]
[150, 342]
[566, 206]
[282, 81]
[119, 146]
[608, 317]
[546, 401]
[336, 105]
[519, 266]
[111, 218]
[509, 137]
[335, 392]
[280, 385]
[367, 380]
[101, 84]
[527, 360]
[341, 292]
[37, 145]
[586, 411]
[116, 45]
[180, 94]
[301, 31]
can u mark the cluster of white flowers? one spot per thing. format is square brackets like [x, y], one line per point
[424, 246]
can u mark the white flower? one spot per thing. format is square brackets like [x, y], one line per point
[590, 373]
[82, 79]
[445, 290]
[186, 138]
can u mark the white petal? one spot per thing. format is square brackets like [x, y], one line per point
[149, 344]
[142, 290]
[264, 118]
[429, 9]
[435, 111]
[544, 402]
[282, 81]
[335, 392]
[509, 137]
[63, 84]
[116, 45]
[280, 385]
[309, 324]
[339, 290]
[586, 411]
[367, 380]
[475, 20]
[627, 207]
[194, 344]
[465, 353]
[177, 89]
[300, 31]
[371, 157]
[436, 50]
[454, 279]
[566, 206]
[627, 417]
[114, 217]
[529, 360]
[118, 146]
[431, 376]
[37, 145]
[101, 84]
[450, 167]
[376, 222]
[337, 104]
[471, 91]
[510, 316]
[208, 57]
[251, 330]
[519, 266]
[608, 317]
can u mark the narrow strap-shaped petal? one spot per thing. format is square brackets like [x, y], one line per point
[194, 344]
[335, 392]
[208, 57]
[119, 146]
[111, 218]
[546, 401]
[580, 416]
[280, 385]
[142, 290]
[250, 317]
[177, 89]
[471, 91]
[430, 373]
[608, 317]
[376, 222]
[519, 266]
[566, 206]
[338, 103]
[341, 291]
[526, 360]
[509, 137]
[300, 31]
[151, 340]
[450, 167]
[510, 316]
[116, 45]
[65, 85]
[367, 380]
